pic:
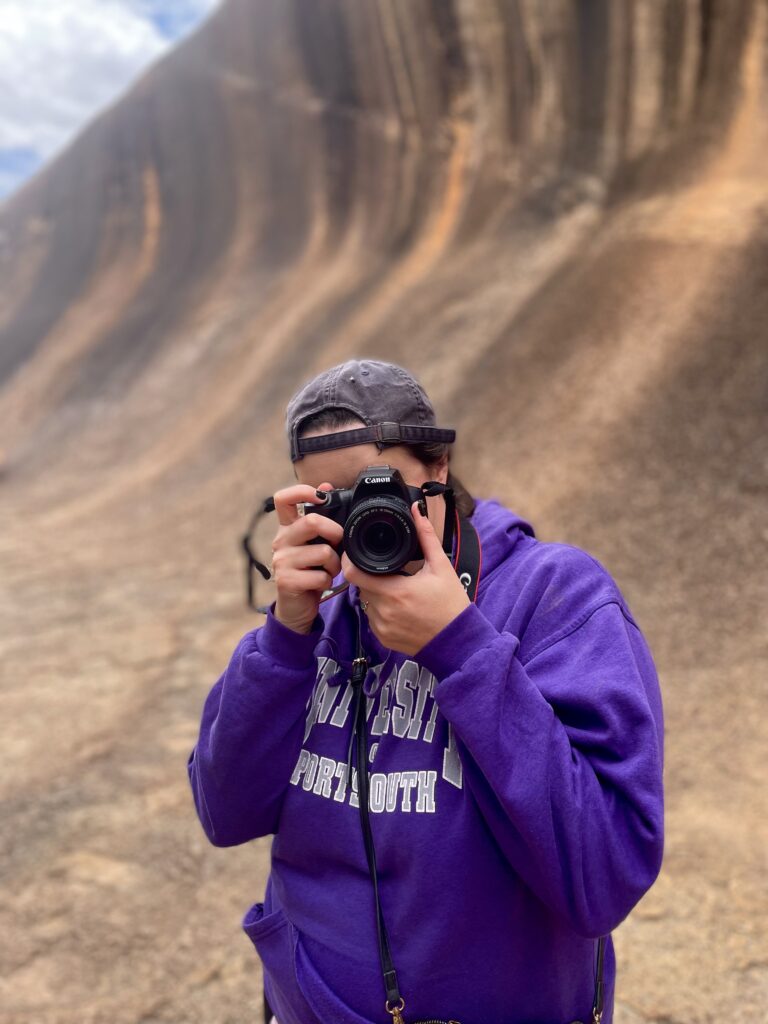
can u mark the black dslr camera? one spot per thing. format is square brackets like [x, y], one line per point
[379, 531]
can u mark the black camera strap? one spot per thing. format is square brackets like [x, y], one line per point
[467, 564]
[251, 560]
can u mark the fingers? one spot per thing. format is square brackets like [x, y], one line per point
[287, 499]
[372, 582]
[305, 529]
[307, 556]
[295, 582]
[430, 545]
[310, 567]
[299, 566]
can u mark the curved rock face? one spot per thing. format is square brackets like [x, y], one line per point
[556, 214]
[358, 149]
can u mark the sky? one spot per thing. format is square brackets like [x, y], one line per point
[62, 61]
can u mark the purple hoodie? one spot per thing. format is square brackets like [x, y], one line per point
[515, 795]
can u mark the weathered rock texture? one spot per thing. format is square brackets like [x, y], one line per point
[557, 215]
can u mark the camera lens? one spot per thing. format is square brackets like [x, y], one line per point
[380, 539]
[380, 535]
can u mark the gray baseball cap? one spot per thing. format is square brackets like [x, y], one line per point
[385, 396]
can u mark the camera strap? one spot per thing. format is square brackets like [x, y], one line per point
[467, 564]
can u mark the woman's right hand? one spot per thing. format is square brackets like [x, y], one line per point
[300, 587]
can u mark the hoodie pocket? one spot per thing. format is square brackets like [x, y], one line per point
[258, 926]
[300, 995]
[270, 933]
[275, 940]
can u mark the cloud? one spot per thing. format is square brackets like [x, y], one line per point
[61, 61]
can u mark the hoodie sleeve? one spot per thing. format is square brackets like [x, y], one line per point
[251, 731]
[563, 755]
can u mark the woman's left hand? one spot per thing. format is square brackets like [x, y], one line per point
[406, 612]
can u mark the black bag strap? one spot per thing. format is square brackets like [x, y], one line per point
[468, 565]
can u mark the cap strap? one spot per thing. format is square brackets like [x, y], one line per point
[380, 434]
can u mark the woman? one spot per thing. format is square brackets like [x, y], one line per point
[513, 746]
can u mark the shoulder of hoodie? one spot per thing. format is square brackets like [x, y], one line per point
[557, 587]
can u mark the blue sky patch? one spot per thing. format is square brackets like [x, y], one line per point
[172, 19]
[16, 165]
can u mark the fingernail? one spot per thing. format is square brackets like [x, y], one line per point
[322, 494]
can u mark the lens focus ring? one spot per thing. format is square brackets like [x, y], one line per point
[380, 535]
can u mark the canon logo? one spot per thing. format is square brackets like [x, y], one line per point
[376, 480]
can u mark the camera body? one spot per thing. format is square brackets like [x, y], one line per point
[379, 532]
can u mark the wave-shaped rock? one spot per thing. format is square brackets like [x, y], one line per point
[301, 178]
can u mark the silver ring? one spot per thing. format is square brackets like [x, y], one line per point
[364, 606]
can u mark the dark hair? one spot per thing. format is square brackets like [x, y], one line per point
[428, 453]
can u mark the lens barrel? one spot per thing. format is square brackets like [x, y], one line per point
[380, 534]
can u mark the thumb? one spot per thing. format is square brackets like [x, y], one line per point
[430, 543]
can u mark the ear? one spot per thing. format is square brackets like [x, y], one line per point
[440, 470]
